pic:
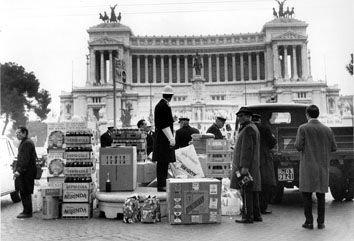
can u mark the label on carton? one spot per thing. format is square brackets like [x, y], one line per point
[118, 160]
[177, 203]
[213, 189]
[76, 195]
[213, 217]
[213, 203]
[177, 217]
[196, 202]
[196, 218]
[195, 186]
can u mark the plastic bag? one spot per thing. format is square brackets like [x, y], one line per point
[131, 210]
[150, 211]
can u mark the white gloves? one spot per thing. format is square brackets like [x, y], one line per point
[168, 133]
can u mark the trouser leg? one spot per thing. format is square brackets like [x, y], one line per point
[27, 203]
[248, 203]
[264, 197]
[256, 209]
[161, 171]
[307, 199]
[320, 207]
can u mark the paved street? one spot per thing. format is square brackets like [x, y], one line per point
[283, 224]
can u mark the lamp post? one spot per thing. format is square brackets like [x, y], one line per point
[150, 85]
[245, 92]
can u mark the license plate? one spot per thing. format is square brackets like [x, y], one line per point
[286, 174]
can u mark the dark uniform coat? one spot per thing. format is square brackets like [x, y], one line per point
[246, 154]
[184, 136]
[268, 142]
[162, 152]
[26, 166]
[106, 139]
[214, 129]
[149, 142]
[315, 141]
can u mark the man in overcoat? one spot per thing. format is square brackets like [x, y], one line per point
[315, 142]
[25, 170]
[267, 143]
[184, 134]
[216, 126]
[164, 142]
[106, 138]
[246, 162]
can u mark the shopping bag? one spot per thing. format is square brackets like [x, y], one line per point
[188, 158]
[231, 203]
[131, 210]
[150, 211]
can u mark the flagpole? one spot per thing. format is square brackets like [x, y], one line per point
[114, 93]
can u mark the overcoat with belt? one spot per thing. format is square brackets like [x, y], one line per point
[268, 142]
[246, 154]
[162, 152]
[26, 166]
[315, 142]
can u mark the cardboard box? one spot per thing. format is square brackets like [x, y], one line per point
[50, 207]
[194, 200]
[121, 164]
[77, 196]
[200, 146]
[56, 181]
[77, 210]
[146, 172]
[217, 146]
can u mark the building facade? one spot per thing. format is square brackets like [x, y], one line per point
[237, 69]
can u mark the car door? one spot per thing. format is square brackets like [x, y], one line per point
[7, 156]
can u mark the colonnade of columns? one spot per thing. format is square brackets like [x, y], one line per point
[101, 66]
[290, 61]
[216, 67]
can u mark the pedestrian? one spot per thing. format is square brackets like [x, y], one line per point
[216, 126]
[267, 143]
[106, 138]
[314, 141]
[184, 134]
[164, 141]
[146, 127]
[245, 173]
[25, 170]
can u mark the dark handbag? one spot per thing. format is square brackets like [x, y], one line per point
[39, 172]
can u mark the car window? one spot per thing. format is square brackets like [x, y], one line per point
[280, 118]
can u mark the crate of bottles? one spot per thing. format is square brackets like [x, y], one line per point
[218, 170]
[79, 152]
[79, 137]
[219, 157]
[77, 210]
[217, 146]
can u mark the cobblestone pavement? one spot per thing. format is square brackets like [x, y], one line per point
[283, 224]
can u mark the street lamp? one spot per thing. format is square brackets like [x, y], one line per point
[150, 85]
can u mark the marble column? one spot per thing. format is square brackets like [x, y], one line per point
[202, 61]
[249, 66]
[233, 67]
[169, 69]
[225, 68]
[154, 69]
[102, 79]
[110, 79]
[258, 66]
[304, 66]
[286, 74]
[146, 69]
[217, 68]
[241, 67]
[178, 69]
[275, 61]
[92, 66]
[210, 66]
[186, 68]
[295, 76]
[162, 69]
[138, 69]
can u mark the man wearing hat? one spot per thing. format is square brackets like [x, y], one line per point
[164, 142]
[106, 139]
[184, 134]
[145, 126]
[245, 173]
[267, 143]
[215, 127]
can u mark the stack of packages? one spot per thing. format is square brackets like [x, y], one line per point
[147, 212]
[78, 188]
[146, 170]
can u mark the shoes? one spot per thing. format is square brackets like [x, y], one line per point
[258, 219]
[320, 226]
[24, 215]
[307, 225]
[244, 221]
[267, 211]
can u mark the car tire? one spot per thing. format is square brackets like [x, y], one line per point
[336, 184]
[15, 196]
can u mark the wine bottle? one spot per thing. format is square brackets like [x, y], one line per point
[108, 184]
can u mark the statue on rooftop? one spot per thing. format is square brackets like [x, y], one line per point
[113, 15]
[281, 8]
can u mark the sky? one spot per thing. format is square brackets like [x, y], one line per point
[50, 39]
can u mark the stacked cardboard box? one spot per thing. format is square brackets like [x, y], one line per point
[194, 200]
[80, 165]
[119, 164]
[218, 158]
[51, 199]
[131, 137]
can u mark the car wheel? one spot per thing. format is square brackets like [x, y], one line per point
[15, 196]
[336, 184]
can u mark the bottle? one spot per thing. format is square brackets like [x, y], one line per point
[108, 184]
